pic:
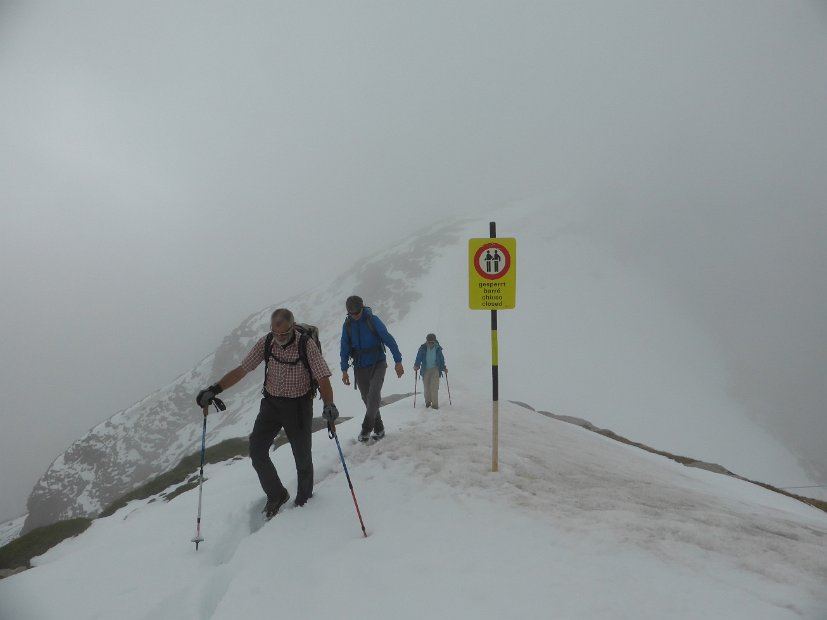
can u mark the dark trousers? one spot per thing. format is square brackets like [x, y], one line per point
[370, 381]
[295, 415]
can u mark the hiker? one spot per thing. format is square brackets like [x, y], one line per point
[294, 364]
[364, 338]
[431, 361]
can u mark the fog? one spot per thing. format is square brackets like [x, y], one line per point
[165, 170]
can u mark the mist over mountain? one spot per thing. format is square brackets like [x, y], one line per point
[158, 431]
[590, 337]
[168, 170]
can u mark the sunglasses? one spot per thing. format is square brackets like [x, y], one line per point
[355, 313]
[283, 334]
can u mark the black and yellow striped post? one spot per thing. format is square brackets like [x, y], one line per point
[495, 380]
[492, 268]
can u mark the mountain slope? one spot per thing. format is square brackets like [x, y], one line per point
[590, 338]
[572, 526]
[155, 433]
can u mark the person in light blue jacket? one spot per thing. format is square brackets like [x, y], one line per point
[431, 362]
[364, 338]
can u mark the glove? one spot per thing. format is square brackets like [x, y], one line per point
[330, 412]
[205, 396]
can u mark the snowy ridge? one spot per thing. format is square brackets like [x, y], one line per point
[573, 526]
[590, 338]
[155, 433]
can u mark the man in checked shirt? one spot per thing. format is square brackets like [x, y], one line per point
[287, 403]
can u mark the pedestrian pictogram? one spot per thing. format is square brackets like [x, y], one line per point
[492, 261]
[492, 273]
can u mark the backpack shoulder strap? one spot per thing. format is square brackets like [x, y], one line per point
[372, 328]
[303, 338]
[268, 345]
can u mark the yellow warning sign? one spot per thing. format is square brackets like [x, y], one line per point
[492, 273]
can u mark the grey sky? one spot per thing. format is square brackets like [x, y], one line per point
[168, 168]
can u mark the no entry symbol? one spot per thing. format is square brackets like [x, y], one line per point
[492, 261]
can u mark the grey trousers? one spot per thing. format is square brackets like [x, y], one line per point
[369, 380]
[295, 415]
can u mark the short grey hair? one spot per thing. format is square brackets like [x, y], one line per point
[282, 315]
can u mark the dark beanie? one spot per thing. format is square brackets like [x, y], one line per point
[354, 304]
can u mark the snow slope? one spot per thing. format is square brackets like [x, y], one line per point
[572, 526]
[590, 338]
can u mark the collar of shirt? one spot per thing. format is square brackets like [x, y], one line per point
[291, 348]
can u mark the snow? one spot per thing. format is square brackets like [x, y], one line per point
[573, 525]
[11, 529]
[591, 337]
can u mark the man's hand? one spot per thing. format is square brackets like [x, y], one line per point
[206, 396]
[416, 368]
[445, 370]
[330, 412]
[345, 378]
[399, 370]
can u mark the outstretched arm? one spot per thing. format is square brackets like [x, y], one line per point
[232, 377]
[207, 395]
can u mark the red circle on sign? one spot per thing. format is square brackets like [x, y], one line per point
[506, 257]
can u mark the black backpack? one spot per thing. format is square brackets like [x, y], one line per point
[306, 332]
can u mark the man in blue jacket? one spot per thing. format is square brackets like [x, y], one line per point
[364, 338]
[430, 359]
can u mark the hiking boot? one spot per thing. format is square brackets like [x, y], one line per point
[301, 501]
[363, 437]
[427, 405]
[272, 506]
[378, 435]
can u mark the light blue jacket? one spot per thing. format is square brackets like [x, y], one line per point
[420, 358]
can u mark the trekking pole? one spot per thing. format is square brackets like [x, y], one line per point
[219, 406]
[198, 538]
[449, 389]
[415, 375]
[331, 432]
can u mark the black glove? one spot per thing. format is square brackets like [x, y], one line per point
[205, 396]
[330, 412]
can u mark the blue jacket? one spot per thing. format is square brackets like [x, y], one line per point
[366, 347]
[420, 358]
